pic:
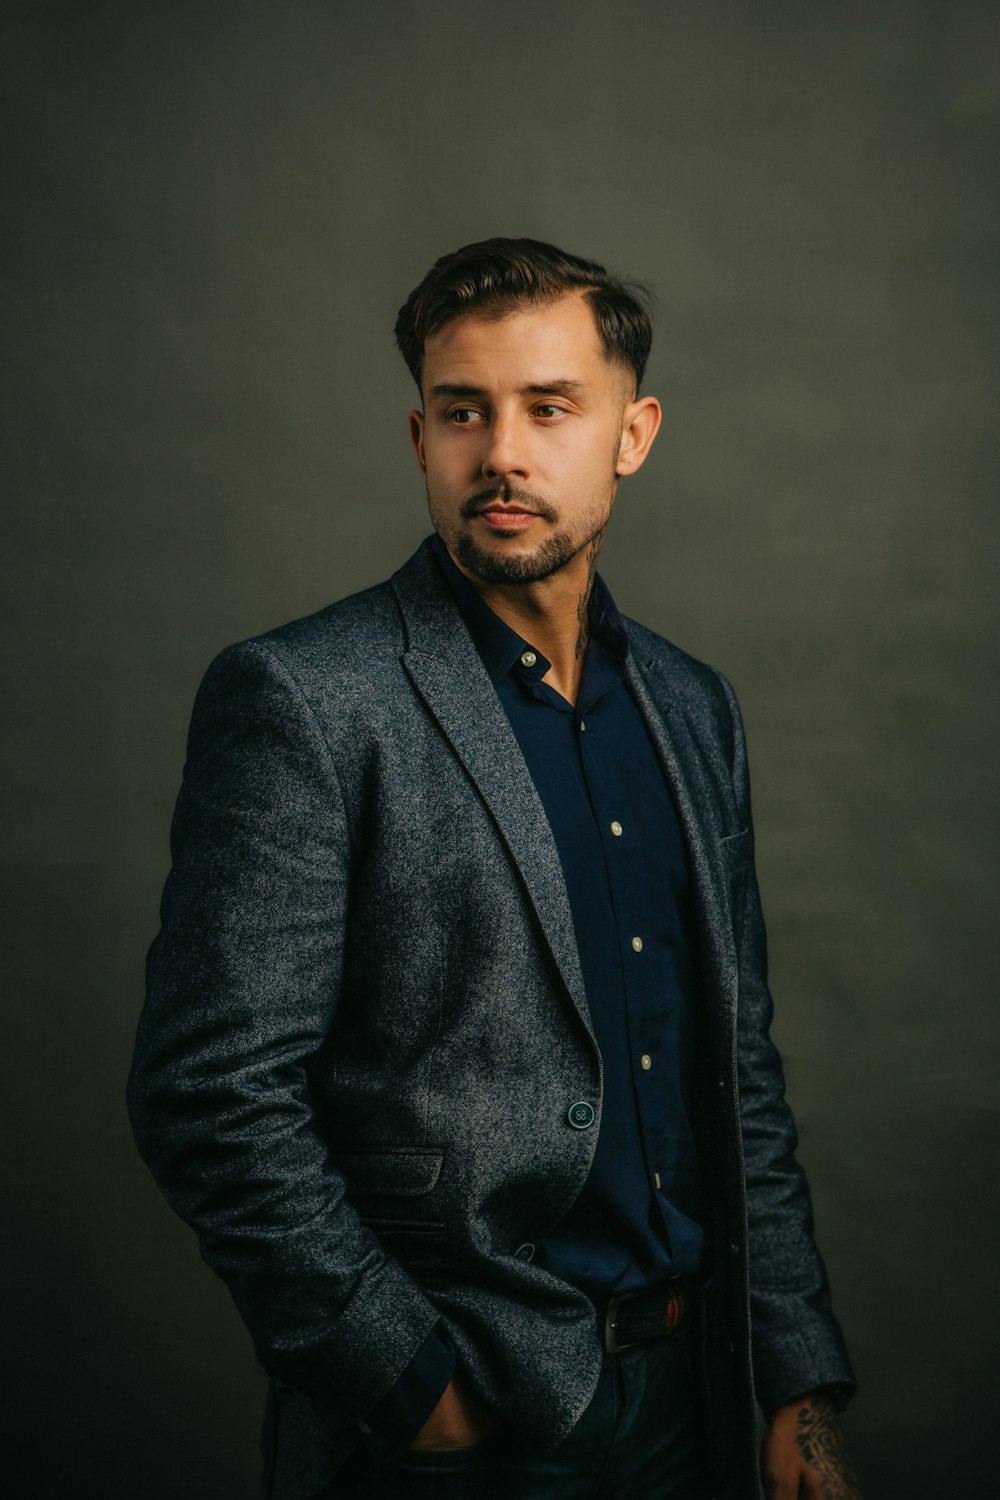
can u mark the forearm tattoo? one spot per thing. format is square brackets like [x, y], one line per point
[821, 1444]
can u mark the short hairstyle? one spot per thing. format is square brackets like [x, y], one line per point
[501, 275]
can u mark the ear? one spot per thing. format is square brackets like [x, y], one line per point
[640, 424]
[417, 438]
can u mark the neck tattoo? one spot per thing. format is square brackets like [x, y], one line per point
[582, 608]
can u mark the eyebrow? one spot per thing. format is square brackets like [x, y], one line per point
[544, 388]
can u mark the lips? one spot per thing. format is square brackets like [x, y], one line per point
[506, 518]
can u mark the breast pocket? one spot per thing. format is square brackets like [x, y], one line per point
[736, 851]
[737, 855]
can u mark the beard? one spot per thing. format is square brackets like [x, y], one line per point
[527, 567]
[530, 567]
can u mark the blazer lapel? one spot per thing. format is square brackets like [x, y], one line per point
[695, 800]
[445, 668]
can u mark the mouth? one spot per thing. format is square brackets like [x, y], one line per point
[507, 517]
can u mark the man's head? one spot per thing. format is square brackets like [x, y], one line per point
[497, 276]
[528, 362]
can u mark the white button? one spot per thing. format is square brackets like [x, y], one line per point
[582, 726]
[656, 1178]
[647, 1062]
[528, 658]
[637, 945]
[616, 829]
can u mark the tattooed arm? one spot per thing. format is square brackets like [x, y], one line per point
[804, 1456]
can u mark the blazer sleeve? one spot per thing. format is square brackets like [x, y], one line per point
[796, 1340]
[242, 982]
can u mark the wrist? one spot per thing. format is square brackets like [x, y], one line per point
[822, 1397]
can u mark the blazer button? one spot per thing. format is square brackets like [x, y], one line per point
[581, 1115]
[525, 1252]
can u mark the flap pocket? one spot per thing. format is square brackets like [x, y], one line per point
[406, 1173]
[735, 850]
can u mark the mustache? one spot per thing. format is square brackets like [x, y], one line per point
[509, 494]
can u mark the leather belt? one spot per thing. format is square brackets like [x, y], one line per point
[636, 1317]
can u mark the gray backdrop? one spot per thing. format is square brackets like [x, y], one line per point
[211, 214]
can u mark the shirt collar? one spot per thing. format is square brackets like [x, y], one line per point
[502, 648]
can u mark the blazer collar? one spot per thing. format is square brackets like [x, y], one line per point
[661, 704]
[448, 673]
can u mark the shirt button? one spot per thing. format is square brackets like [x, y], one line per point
[646, 1061]
[525, 1252]
[528, 658]
[581, 1115]
[365, 1429]
[637, 945]
[616, 829]
[582, 726]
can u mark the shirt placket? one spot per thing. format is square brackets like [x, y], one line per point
[619, 833]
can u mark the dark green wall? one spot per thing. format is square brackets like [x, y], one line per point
[211, 213]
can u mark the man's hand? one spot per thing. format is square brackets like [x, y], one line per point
[459, 1420]
[803, 1456]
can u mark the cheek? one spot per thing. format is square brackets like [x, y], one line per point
[594, 468]
[445, 464]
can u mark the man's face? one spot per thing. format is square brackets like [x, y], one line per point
[520, 438]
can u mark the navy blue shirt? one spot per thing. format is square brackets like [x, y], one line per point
[625, 866]
[612, 816]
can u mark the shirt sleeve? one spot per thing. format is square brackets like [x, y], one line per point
[391, 1426]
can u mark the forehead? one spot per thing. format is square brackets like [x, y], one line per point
[551, 341]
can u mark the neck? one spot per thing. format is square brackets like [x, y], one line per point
[553, 614]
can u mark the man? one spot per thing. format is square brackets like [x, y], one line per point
[455, 1049]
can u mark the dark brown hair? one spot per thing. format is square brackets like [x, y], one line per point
[499, 275]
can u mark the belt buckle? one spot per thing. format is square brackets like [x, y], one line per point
[673, 1315]
[612, 1344]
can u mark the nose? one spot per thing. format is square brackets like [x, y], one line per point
[506, 451]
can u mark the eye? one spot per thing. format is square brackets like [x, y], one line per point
[463, 416]
[546, 410]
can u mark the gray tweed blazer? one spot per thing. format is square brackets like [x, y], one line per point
[365, 1022]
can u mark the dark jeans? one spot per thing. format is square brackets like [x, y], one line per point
[639, 1439]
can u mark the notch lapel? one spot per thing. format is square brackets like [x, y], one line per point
[695, 799]
[447, 672]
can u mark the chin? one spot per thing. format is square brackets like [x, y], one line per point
[504, 566]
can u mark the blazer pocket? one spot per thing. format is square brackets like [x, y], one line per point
[386, 1226]
[386, 1188]
[735, 851]
[409, 1172]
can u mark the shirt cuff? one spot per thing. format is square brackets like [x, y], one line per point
[391, 1426]
[839, 1395]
